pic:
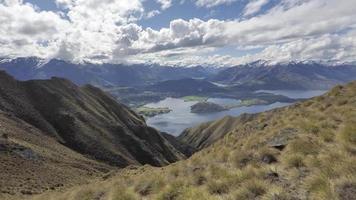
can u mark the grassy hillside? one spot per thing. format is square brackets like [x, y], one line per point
[304, 151]
[32, 163]
[208, 133]
[55, 134]
[86, 120]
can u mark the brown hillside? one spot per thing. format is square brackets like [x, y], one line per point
[304, 151]
[51, 131]
[207, 133]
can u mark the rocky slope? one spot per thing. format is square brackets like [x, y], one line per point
[303, 151]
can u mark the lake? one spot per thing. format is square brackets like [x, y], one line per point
[181, 118]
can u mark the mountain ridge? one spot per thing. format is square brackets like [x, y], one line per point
[68, 112]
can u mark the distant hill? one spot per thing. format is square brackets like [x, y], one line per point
[205, 134]
[28, 68]
[303, 151]
[300, 76]
[186, 86]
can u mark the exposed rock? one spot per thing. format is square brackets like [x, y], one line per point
[347, 191]
[281, 140]
[5, 136]
[272, 176]
[268, 158]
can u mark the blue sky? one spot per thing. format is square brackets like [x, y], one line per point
[180, 32]
[185, 10]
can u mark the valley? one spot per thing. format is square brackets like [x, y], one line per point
[301, 151]
[177, 100]
[110, 131]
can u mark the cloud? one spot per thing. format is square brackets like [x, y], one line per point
[25, 31]
[152, 13]
[254, 7]
[328, 47]
[165, 4]
[212, 3]
[107, 31]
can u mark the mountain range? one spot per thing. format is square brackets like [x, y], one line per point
[286, 76]
[252, 76]
[104, 75]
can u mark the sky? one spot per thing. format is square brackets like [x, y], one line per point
[179, 32]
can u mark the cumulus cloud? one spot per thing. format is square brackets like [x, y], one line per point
[24, 31]
[107, 31]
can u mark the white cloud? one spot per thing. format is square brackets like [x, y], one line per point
[152, 13]
[165, 3]
[212, 3]
[106, 31]
[254, 7]
[24, 31]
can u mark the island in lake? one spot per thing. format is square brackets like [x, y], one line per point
[206, 107]
[151, 112]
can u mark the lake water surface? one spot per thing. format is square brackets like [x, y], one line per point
[181, 118]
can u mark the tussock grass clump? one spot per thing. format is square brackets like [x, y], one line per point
[199, 179]
[348, 134]
[304, 146]
[218, 187]
[241, 158]
[276, 193]
[319, 187]
[121, 193]
[294, 160]
[251, 189]
[196, 194]
[327, 136]
[149, 185]
[218, 172]
[174, 191]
